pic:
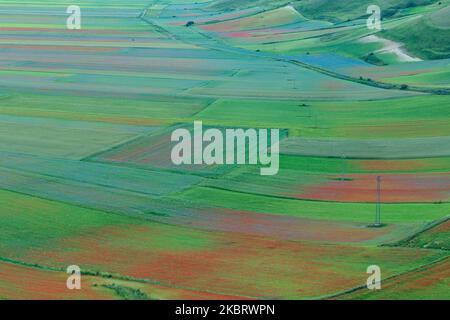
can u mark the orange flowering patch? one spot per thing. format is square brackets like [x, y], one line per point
[395, 188]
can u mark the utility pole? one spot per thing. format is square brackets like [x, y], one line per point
[343, 165]
[294, 86]
[378, 205]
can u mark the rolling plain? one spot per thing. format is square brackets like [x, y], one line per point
[85, 172]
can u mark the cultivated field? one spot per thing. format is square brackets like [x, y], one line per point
[86, 178]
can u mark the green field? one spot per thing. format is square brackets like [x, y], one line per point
[86, 176]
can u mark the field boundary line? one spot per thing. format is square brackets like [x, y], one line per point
[210, 103]
[115, 276]
[247, 15]
[126, 142]
[394, 276]
[292, 154]
[370, 82]
[430, 226]
[110, 148]
[315, 200]
[141, 215]
[239, 51]
[153, 169]
[61, 178]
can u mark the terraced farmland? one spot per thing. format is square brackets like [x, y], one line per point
[86, 177]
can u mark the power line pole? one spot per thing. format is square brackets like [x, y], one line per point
[378, 206]
[343, 165]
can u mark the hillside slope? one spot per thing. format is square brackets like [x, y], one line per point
[342, 10]
[427, 37]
